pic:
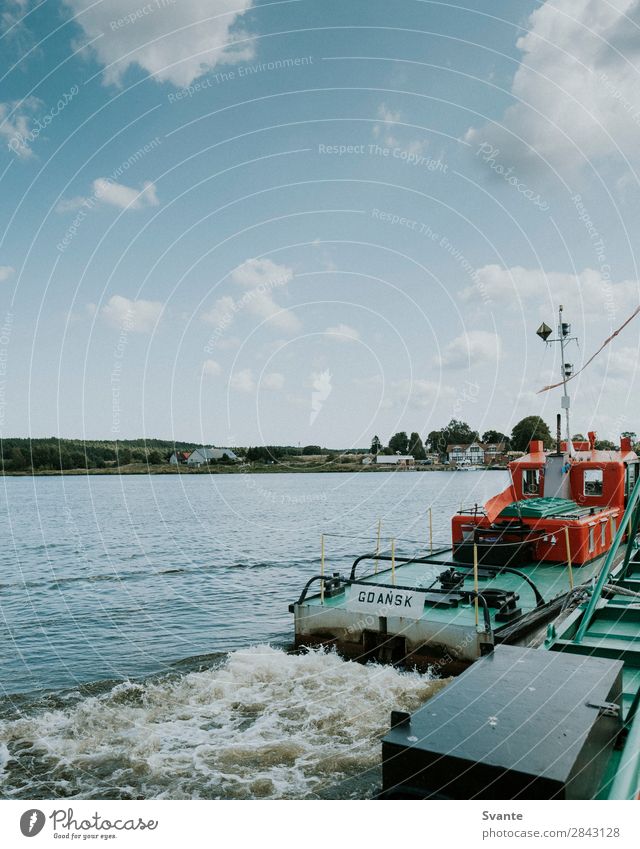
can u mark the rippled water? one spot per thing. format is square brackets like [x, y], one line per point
[144, 625]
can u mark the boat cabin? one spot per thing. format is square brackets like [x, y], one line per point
[559, 507]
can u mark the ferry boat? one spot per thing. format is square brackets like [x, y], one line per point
[536, 603]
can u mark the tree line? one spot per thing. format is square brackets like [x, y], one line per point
[52, 454]
[460, 433]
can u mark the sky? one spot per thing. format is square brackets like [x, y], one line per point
[308, 221]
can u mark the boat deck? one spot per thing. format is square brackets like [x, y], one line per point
[444, 628]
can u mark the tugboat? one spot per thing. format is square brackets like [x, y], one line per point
[518, 563]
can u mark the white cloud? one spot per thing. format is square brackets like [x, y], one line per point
[106, 190]
[135, 316]
[221, 313]
[578, 72]
[473, 348]
[344, 332]
[264, 306]
[383, 132]
[15, 117]
[594, 294]
[176, 42]
[259, 277]
[243, 381]
[124, 197]
[5, 272]
[261, 272]
[211, 368]
[274, 381]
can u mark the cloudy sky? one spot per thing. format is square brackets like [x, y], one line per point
[311, 221]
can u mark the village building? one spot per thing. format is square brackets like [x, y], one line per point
[204, 456]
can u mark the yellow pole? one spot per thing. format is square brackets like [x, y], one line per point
[321, 568]
[475, 580]
[375, 571]
[393, 562]
[566, 539]
[430, 531]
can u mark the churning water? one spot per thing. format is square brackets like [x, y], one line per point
[144, 630]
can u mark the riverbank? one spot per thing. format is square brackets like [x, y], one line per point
[224, 469]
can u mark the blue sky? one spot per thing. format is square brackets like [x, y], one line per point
[309, 221]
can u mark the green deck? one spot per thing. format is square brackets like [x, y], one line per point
[552, 580]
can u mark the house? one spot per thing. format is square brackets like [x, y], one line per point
[494, 452]
[466, 454]
[395, 460]
[179, 458]
[204, 456]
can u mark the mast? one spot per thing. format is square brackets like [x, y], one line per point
[566, 368]
[564, 330]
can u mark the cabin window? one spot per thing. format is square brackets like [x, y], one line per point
[632, 476]
[592, 541]
[603, 533]
[593, 482]
[531, 481]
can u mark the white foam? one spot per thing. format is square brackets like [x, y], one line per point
[265, 724]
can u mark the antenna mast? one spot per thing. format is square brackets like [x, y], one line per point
[564, 331]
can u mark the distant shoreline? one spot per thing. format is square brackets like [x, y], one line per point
[302, 468]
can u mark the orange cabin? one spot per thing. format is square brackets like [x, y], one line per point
[576, 499]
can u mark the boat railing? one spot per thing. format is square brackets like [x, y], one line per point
[347, 582]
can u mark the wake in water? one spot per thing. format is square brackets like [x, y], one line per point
[264, 724]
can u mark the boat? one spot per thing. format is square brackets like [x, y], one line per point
[467, 467]
[535, 606]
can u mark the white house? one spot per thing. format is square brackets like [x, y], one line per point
[395, 460]
[202, 456]
[469, 454]
[179, 457]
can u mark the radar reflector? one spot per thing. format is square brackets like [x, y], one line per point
[544, 331]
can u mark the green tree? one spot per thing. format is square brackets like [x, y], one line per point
[455, 432]
[527, 429]
[605, 445]
[416, 448]
[493, 437]
[17, 460]
[579, 437]
[376, 445]
[154, 457]
[312, 450]
[399, 442]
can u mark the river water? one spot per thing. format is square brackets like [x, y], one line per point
[144, 632]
